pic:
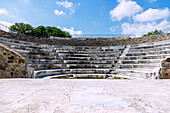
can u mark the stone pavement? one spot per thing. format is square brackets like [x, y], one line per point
[84, 96]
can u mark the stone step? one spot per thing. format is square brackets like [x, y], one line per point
[144, 61]
[13, 41]
[33, 50]
[88, 47]
[90, 70]
[123, 77]
[140, 72]
[21, 47]
[90, 52]
[149, 49]
[61, 76]
[162, 56]
[38, 57]
[147, 53]
[38, 53]
[136, 54]
[19, 42]
[93, 47]
[49, 50]
[88, 61]
[88, 55]
[89, 58]
[35, 46]
[89, 76]
[95, 76]
[44, 65]
[150, 66]
[39, 73]
[61, 50]
[21, 51]
[78, 76]
[89, 65]
[43, 61]
[150, 46]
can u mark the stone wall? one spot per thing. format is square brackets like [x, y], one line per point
[165, 69]
[115, 41]
[12, 64]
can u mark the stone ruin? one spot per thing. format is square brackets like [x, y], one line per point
[12, 64]
[165, 69]
[78, 60]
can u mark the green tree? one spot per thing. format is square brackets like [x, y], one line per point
[67, 34]
[53, 31]
[22, 28]
[156, 32]
[50, 31]
[40, 31]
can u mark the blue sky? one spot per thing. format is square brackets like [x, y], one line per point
[89, 16]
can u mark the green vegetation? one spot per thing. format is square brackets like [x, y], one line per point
[156, 32]
[39, 31]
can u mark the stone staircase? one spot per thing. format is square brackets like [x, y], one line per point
[140, 61]
[143, 60]
[51, 61]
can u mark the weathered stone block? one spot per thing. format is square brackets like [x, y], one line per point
[12, 64]
[30, 72]
[165, 69]
[165, 73]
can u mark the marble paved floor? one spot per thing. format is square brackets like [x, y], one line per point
[84, 96]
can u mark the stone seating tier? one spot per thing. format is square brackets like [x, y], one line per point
[90, 58]
[56, 61]
[162, 56]
[40, 73]
[146, 66]
[142, 61]
[88, 61]
[146, 50]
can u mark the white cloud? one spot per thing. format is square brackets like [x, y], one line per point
[8, 24]
[78, 4]
[72, 31]
[142, 28]
[152, 14]
[57, 12]
[3, 11]
[58, 27]
[123, 0]
[72, 11]
[126, 8]
[66, 4]
[152, 0]
[4, 25]
[114, 28]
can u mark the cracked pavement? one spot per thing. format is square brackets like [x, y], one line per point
[84, 96]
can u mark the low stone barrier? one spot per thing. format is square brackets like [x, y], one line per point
[165, 69]
[12, 64]
[116, 41]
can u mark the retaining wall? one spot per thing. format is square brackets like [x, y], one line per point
[165, 69]
[12, 64]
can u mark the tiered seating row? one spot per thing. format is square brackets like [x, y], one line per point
[52, 61]
[67, 61]
[143, 60]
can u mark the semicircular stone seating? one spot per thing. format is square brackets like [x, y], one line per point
[143, 60]
[52, 61]
[130, 62]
